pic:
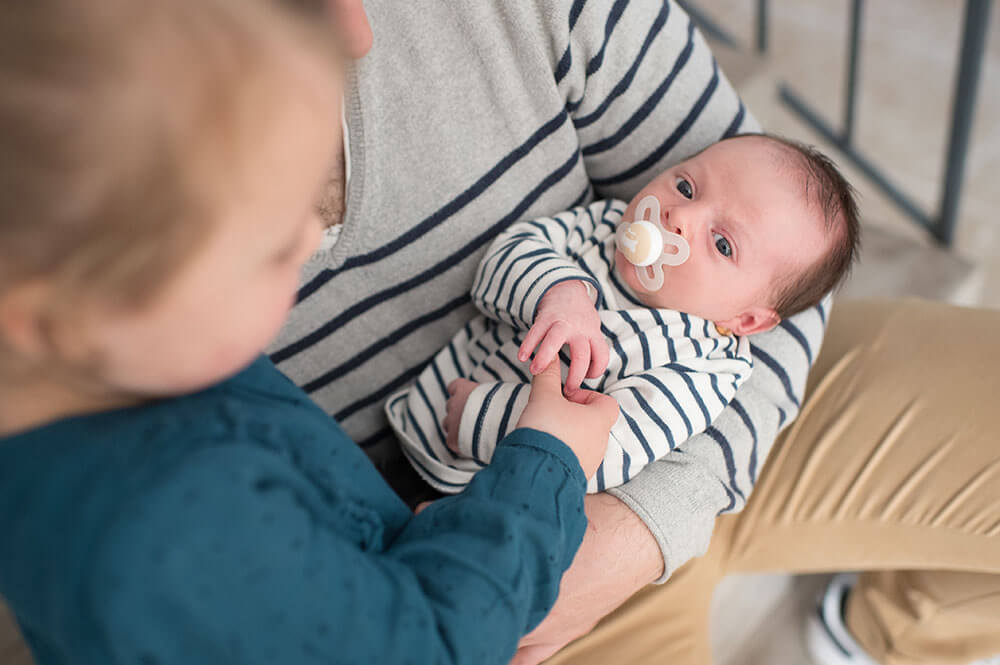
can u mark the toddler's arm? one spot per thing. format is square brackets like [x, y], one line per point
[261, 564]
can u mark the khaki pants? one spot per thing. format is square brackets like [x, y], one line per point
[892, 465]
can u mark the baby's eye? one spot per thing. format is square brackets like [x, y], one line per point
[684, 187]
[722, 244]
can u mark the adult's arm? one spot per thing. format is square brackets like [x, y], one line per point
[665, 515]
[241, 559]
[679, 496]
[644, 92]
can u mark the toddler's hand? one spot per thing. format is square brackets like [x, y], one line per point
[459, 389]
[583, 424]
[566, 315]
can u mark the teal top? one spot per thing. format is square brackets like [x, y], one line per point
[241, 525]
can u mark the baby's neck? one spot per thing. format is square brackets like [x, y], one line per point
[37, 402]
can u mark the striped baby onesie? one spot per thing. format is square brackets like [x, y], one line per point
[671, 373]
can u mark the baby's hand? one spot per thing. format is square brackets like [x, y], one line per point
[459, 391]
[566, 315]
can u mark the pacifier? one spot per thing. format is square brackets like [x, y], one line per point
[642, 242]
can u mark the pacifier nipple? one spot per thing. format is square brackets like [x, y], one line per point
[640, 242]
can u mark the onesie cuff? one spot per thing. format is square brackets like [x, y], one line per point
[474, 441]
[593, 289]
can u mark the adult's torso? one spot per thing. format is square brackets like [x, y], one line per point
[462, 119]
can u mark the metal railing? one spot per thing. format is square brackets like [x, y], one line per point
[940, 223]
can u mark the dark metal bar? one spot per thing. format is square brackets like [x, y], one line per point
[942, 227]
[850, 105]
[762, 26]
[900, 198]
[977, 18]
[707, 25]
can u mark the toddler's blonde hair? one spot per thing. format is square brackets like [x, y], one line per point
[116, 118]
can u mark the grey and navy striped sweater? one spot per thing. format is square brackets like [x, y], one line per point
[671, 373]
[468, 116]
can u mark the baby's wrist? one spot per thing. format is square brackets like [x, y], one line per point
[573, 288]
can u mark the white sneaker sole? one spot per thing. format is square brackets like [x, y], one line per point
[826, 636]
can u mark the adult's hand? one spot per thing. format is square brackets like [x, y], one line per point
[600, 578]
[583, 424]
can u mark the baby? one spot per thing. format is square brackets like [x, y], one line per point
[724, 245]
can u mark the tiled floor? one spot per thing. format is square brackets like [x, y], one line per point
[909, 54]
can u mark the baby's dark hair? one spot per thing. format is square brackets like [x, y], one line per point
[826, 188]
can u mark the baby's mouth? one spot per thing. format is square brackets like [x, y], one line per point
[642, 242]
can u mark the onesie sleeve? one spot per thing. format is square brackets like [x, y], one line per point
[239, 559]
[491, 411]
[661, 408]
[531, 257]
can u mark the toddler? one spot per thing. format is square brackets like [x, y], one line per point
[746, 233]
[166, 495]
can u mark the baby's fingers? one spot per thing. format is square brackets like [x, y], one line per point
[598, 357]
[579, 360]
[548, 350]
[535, 335]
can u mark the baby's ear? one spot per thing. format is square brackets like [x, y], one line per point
[754, 320]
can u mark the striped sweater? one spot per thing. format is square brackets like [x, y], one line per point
[468, 116]
[671, 373]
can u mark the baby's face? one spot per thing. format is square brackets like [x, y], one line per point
[741, 207]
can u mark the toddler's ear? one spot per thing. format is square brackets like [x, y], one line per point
[21, 319]
[753, 321]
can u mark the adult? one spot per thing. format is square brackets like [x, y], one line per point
[463, 117]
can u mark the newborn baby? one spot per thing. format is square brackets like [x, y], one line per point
[747, 232]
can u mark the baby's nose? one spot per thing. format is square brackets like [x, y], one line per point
[669, 224]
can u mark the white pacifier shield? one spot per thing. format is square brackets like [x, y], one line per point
[680, 244]
[642, 241]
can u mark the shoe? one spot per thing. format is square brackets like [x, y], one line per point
[827, 638]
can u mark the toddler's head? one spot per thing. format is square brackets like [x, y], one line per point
[771, 224]
[158, 169]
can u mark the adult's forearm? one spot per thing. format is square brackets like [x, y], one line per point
[618, 557]
[613, 529]
[680, 495]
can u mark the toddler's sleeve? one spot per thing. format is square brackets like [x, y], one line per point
[241, 560]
